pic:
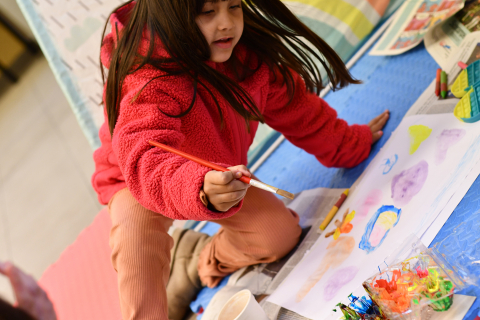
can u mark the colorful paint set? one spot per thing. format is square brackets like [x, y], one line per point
[413, 289]
[415, 283]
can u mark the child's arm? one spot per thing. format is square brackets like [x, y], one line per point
[311, 124]
[159, 180]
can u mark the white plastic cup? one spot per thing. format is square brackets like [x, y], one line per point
[242, 306]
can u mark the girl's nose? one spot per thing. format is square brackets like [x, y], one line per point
[225, 22]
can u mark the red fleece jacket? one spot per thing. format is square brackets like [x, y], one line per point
[169, 184]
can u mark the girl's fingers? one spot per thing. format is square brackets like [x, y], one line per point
[379, 122]
[225, 201]
[376, 136]
[220, 178]
[226, 181]
[223, 189]
[228, 198]
[234, 185]
[242, 169]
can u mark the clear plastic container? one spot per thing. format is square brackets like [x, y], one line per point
[414, 284]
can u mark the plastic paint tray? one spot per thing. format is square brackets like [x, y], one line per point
[467, 109]
[466, 79]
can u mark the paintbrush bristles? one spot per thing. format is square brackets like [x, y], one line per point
[285, 194]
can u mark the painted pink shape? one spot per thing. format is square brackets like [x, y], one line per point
[372, 200]
[377, 235]
[445, 140]
[340, 278]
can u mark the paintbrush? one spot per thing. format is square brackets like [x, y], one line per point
[214, 166]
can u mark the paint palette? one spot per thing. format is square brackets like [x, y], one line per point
[467, 109]
[468, 78]
[413, 289]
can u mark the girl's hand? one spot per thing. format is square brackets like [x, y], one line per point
[30, 297]
[377, 124]
[223, 190]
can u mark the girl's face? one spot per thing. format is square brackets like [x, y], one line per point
[221, 23]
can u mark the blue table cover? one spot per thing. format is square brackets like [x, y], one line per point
[392, 83]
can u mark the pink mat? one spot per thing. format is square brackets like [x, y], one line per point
[83, 284]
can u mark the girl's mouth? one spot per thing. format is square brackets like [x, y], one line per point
[224, 43]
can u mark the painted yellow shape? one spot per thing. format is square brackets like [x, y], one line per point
[463, 109]
[348, 218]
[344, 11]
[386, 220]
[418, 134]
[336, 234]
[460, 84]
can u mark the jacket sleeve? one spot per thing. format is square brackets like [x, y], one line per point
[312, 125]
[159, 180]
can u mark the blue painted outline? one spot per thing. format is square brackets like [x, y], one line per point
[365, 242]
[386, 164]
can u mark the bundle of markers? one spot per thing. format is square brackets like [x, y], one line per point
[441, 84]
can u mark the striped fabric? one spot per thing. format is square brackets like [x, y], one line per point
[343, 24]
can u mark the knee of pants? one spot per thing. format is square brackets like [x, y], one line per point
[277, 243]
[138, 234]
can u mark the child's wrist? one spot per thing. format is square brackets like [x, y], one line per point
[204, 199]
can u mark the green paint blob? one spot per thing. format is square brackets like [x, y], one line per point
[446, 291]
[418, 133]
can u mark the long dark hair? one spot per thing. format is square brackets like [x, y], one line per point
[8, 312]
[271, 32]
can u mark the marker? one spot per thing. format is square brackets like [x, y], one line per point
[334, 210]
[437, 82]
[443, 85]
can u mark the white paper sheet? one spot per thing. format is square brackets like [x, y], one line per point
[420, 183]
[431, 230]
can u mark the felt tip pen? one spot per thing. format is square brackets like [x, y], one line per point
[437, 82]
[334, 210]
[443, 85]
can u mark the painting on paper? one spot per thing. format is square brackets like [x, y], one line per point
[409, 182]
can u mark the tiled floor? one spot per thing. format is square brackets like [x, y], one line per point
[45, 166]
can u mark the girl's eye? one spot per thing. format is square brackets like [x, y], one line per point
[235, 7]
[207, 12]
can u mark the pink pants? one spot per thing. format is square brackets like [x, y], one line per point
[264, 230]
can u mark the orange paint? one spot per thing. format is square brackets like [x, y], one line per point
[343, 226]
[337, 252]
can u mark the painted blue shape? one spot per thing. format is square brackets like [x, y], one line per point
[365, 243]
[389, 163]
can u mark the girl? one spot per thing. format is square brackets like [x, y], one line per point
[199, 75]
